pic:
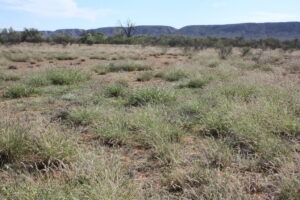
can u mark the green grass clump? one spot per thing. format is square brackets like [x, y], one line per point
[25, 144]
[19, 91]
[200, 82]
[145, 77]
[104, 69]
[213, 64]
[239, 91]
[9, 77]
[147, 126]
[115, 90]
[38, 81]
[62, 76]
[174, 75]
[150, 95]
[128, 67]
[101, 69]
[82, 116]
[65, 57]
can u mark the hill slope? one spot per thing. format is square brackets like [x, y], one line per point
[283, 30]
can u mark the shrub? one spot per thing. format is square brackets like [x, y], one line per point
[175, 75]
[82, 116]
[19, 91]
[200, 82]
[38, 81]
[128, 67]
[65, 57]
[62, 76]
[115, 90]
[224, 52]
[213, 64]
[145, 77]
[242, 92]
[33, 145]
[9, 77]
[245, 51]
[146, 126]
[101, 69]
[151, 95]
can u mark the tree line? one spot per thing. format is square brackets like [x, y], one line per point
[10, 36]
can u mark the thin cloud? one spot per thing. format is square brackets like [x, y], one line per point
[55, 8]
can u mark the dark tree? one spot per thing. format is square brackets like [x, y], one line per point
[128, 29]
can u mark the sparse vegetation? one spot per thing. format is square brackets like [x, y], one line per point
[199, 127]
[146, 76]
[151, 95]
[61, 76]
[19, 91]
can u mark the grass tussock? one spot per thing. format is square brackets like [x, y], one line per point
[199, 82]
[19, 91]
[65, 57]
[127, 67]
[9, 77]
[146, 76]
[32, 146]
[150, 95]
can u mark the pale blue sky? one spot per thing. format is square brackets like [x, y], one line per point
[57, 14]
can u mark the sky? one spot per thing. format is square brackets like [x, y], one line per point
[86, 14]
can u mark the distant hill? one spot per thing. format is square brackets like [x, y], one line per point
[282, 31]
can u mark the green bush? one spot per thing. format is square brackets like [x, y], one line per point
[174, 75]
[65, 57]
[128, 67]
[19, 91]
[200, 82]
[115, 90]
[224, 52]
[9, 77]
[63, 76]
[150, 95]
[38, 81]
[33, 145]
[82, 116]
[213, 64]
[245, 51]
[101, 69]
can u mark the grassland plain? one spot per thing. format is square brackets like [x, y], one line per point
[131, 122]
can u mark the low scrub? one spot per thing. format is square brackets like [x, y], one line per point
[200, 82]
[9, 77]
[128, 67]
[62, 76]
[146, 126]
[19, 91]
[224, 52]
[33, 146]
[115, 90]
[82, 116]
[65, 57]
[150, 95]
[174, 75]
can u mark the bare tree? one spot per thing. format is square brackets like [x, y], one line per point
[128, 29]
